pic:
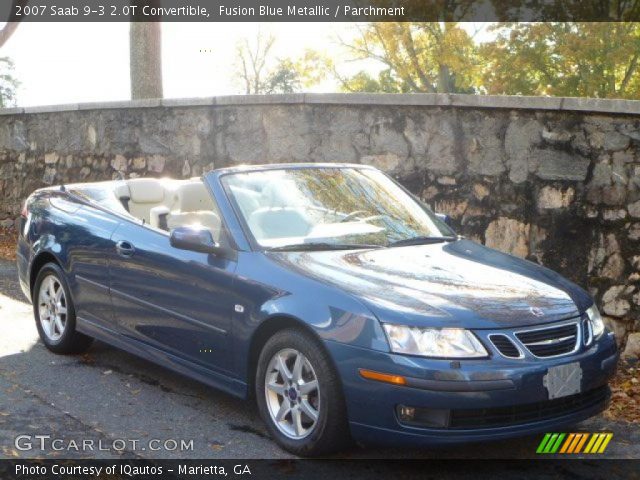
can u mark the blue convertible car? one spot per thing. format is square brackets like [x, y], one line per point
[329, 293]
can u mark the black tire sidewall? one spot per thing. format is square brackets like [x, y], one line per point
[65, 342]
[323, 439]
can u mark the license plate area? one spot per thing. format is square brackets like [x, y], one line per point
[563, 380]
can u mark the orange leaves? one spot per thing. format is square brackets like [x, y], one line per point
[625, 397]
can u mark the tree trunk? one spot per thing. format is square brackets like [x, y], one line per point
[145, 46]
[12, 24]
[444, 80]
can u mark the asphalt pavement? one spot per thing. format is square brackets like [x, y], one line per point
[126, 407]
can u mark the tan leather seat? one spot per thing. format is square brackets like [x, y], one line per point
[192, 196]
[122, 191]
[193, 205]
[156, 215]
[146, 193]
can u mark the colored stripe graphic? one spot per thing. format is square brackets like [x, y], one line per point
[574, 443]
[568, 442]
[543, 443]
[582, 441]
[591, 442]
[556, 446]
[550, 443]
[578, 439]
[605, 443]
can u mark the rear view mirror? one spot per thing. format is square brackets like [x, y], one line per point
[195, 238]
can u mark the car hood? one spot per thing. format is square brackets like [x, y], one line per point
[455, 284]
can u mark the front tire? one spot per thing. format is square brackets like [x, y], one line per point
[299, 395]
[55, 314]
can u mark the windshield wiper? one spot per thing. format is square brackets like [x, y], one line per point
[310, 246]
[421, 241]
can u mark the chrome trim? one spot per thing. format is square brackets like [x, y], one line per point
[576, 347]
[551, 341]
[514, 343]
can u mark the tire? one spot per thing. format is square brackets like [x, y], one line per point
[55, 314]
[329, 431]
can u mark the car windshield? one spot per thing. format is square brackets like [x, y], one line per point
[324, 208]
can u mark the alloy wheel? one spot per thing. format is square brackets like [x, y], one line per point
[292, 393]
[52, 308]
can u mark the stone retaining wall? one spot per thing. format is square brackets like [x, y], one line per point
[553, 180]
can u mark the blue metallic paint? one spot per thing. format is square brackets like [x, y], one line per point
[166, 305]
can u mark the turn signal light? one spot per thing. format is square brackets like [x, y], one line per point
[383, 377]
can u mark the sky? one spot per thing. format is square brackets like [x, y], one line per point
[60, 63]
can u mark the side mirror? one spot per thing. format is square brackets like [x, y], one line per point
[193, 238]
[444, 217]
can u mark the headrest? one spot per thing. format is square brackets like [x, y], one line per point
[146, 190]
[122, 190]
[192, 196]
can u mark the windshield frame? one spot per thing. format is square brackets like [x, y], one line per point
[246, 230]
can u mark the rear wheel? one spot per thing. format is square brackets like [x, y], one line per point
[299, 395]
[55, 314]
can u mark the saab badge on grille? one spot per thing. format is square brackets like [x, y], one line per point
[536, 311]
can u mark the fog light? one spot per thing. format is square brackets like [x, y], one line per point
[423, 417]
[405, 413]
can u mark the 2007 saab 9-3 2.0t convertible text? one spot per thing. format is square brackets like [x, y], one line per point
[329, 292]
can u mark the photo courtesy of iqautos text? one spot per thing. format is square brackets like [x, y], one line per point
[319, 239]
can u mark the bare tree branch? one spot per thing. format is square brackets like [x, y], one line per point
[633, 65]
[252, 61]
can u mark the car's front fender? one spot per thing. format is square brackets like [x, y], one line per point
[267, 291]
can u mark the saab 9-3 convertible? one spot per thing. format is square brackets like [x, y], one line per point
[326, 292]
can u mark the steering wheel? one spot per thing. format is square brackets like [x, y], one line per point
[352, 215]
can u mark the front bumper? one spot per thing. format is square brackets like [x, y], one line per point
[494, 384]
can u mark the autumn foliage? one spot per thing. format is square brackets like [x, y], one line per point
[559, 59]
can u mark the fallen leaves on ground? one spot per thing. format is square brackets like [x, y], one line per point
[216, 446]
[87, 359]
[7, 244]
[625, 394]
[10, 452]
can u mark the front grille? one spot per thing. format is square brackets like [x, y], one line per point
[504, 345]
[531, 412]
[550, 341]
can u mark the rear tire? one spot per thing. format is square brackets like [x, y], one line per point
[55, 314]
[299, 395]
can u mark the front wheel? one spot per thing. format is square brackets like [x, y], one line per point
[55, 313]
[299, 395]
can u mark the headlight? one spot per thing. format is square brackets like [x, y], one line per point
[434, 342]
[595, 319]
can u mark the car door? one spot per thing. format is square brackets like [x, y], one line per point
[176, 300]
[89, 251]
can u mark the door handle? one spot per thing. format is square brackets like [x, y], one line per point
[124, 248]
